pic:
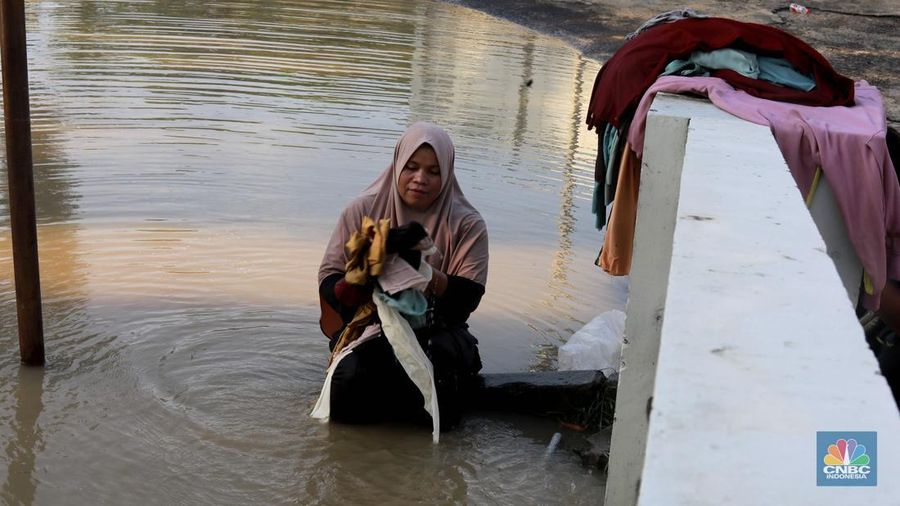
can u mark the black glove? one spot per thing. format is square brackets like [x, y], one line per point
[401, 240]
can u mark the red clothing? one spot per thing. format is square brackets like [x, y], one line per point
[625, 77]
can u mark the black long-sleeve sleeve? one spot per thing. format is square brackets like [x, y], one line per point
[459, 300]
[456, 304]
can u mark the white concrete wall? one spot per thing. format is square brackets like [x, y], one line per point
[749, 345]
[661, 176]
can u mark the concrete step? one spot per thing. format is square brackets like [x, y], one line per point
[584, 398]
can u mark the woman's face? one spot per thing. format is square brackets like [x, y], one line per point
[420, 179]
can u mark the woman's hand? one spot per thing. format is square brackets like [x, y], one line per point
[403, 240]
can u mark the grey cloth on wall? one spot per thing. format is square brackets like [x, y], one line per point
[665, 17]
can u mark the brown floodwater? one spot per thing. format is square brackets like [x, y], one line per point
[191, 159]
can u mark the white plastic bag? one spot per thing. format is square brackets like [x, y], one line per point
[597, 346]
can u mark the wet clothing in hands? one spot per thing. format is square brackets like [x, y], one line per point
[370, 385]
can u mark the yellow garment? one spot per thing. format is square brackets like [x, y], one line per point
[366, 251]
[813, 187]
[868, 284]
[364, 317]
[366, 255]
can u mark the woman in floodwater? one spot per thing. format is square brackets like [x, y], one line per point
[419, 194]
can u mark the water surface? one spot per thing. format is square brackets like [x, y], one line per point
[190, 162]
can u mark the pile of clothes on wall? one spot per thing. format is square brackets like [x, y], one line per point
[825, 124]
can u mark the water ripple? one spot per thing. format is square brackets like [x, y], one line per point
[190, 161]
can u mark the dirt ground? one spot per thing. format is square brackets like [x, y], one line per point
[861, 39]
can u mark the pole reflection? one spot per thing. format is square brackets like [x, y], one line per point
[20, 485]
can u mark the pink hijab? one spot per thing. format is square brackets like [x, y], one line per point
[453, 223]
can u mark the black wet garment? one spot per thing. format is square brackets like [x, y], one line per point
[402, 240]
[369, 385]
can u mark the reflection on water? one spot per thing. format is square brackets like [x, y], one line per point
[20, 480]
[191, 159]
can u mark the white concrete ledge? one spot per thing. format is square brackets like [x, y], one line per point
[750, 343]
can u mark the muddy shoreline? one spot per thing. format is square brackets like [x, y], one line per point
[860, 39]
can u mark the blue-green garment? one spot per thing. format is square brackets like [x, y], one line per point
[410, 303]
[780, 71]
[774, 70]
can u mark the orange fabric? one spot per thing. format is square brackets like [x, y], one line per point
[615, 257]
[330, 321]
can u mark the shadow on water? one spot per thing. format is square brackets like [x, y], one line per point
[20, 484]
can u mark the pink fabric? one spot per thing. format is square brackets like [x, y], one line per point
[397, 275]
[847, 142]
[453, 223]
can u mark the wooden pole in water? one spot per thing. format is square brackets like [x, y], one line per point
[17, 117]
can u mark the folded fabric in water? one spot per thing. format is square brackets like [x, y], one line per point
[848, 143]
[625, 77]
[322, 409]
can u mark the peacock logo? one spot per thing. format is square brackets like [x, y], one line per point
[846, 452]
[846, 459]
